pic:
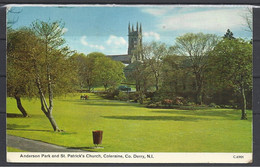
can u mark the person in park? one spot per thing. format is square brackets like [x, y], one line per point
[84, 97]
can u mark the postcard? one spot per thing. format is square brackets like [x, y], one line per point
[129, 84]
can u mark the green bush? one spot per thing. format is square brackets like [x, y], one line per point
[112, 93]
[152, 105]
[122, 96]
[155, 105]
[226, 106]
[212, 105]
[134, 96]
[191, 104]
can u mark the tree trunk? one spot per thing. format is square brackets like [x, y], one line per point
[243, 98]
[137, 85]
[20, 106]
[198, 89]
[199, 96]
[52, 121]
[105, 86]
[157, 83]
[48, 113]
[44, 107]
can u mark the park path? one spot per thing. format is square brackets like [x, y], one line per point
[36, 146]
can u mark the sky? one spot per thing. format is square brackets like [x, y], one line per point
[105, 28]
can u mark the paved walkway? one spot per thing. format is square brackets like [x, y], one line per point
[36, 146]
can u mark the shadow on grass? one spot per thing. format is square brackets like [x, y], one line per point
[21, 128]
[226, 114]
[158, 118]
[13, 115]
[111, 104]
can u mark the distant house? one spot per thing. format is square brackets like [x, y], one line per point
[134, 40]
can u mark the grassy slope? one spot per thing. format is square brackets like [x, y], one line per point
[129, 127]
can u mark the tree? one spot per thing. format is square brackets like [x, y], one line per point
[12, 13]
[91, 77]
[50, 65]
[231, 64]
[196, 48]
[153, 54]
[80, 65]
[139, 73]
[176, 76]
[108, 72]
[20, 82]
[248, 19]
[229, 35]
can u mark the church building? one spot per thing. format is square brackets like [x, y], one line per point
[134, 41]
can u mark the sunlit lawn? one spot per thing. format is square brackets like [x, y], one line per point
[130, 127]
[11, 149]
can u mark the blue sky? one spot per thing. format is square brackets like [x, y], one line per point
[105, 28]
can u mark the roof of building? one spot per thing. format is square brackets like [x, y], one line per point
[125, 58]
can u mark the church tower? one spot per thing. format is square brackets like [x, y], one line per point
[134, 41]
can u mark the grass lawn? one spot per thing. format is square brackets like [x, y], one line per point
[130, 127]
[11, 149]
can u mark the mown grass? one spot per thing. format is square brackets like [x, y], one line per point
[130, 127]
[11, 149]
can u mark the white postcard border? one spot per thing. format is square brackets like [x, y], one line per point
[122, 157]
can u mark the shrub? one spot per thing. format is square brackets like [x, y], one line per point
[134, 96]
[153, 105]
[168, 102]
[122, 96]
[191, 104]
[226, 106]
[146, 100]
[179, 100]
[112, 93]
[213, 105]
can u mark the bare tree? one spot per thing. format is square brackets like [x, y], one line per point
[12, 20]
[248, 19]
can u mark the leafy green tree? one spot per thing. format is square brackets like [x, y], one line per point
[108, 73]
[177, 77]
[91, 76]
[153, 54]
[231, 65]
[20, 81]
[80, 65]
[196, 48]
[229, 35]
[139, 73]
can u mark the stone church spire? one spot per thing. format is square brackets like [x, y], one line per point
[135, 42]
[129, 29]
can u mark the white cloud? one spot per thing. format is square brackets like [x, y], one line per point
[117, 41]
[85, 43]
[215, 20]
[100, 47]
[154, 35]
[65, 30]
[155, 11]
